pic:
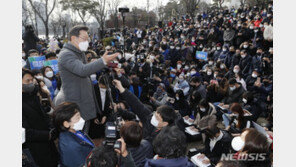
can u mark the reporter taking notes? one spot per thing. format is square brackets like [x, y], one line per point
[75, 72]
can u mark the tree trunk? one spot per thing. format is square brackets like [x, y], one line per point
[46, 29]
[116, 21]
[36, 24]
[64, 31]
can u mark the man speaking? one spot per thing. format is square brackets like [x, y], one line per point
[75, 72]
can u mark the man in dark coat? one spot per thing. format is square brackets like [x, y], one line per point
[39, 136]
[152, 123]
[30, 39]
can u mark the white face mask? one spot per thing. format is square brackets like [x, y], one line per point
[209, 73]
[202, 109]
[243, 56]
[119, 56]
[172, 47]
[193, 72]
[23, 135]
[186, 67]
[39, 77]
[218, 48]
[210, 63]
[93, 77]
[24, 54]
[254, 75]
[83, 46]
[79, 125]
[177, 98]
[224, 50]
[232, 88]
[24, 63]
[237, 143]
[235, 71]
[179, 66]
[222, 66]
[150, 45]
[215, 75]
[245, 100]
[245, 46]
[49, 74]
[154, 121]
[178, 48]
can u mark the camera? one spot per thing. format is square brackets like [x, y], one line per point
[110, 134]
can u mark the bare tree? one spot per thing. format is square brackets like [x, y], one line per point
[44, 12]
[81, 7]
[190, 6]
[220, 3]
[99, 12]
[243, 2]
[27, 16]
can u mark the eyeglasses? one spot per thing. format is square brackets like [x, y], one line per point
[85, 39]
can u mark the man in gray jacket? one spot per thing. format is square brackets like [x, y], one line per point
[75, 72]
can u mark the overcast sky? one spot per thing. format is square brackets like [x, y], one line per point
[142, 3]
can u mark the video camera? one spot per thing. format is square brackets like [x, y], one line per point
[111, 135]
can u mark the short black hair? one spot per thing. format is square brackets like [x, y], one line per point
[170, 143]
[75, 31]
[102, 156]
[32, 51]
[232, 81]
[132, 133]
[64, 112]
[126, 115]
[195, 79]
[167, 114]
[124, 103]
[26, 71]
[50, 54]
[203, 102]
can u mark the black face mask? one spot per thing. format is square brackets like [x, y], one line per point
[28, 88]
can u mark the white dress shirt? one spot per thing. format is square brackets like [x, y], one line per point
[103, 97]
[214, 141]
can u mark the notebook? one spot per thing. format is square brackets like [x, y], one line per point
[188, 121]
[190, 131]
[198, 161]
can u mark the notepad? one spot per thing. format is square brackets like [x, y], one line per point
[188, 121]
[190, 131]
[198, 161]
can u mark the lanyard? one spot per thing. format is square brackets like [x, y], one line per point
[83, 137]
